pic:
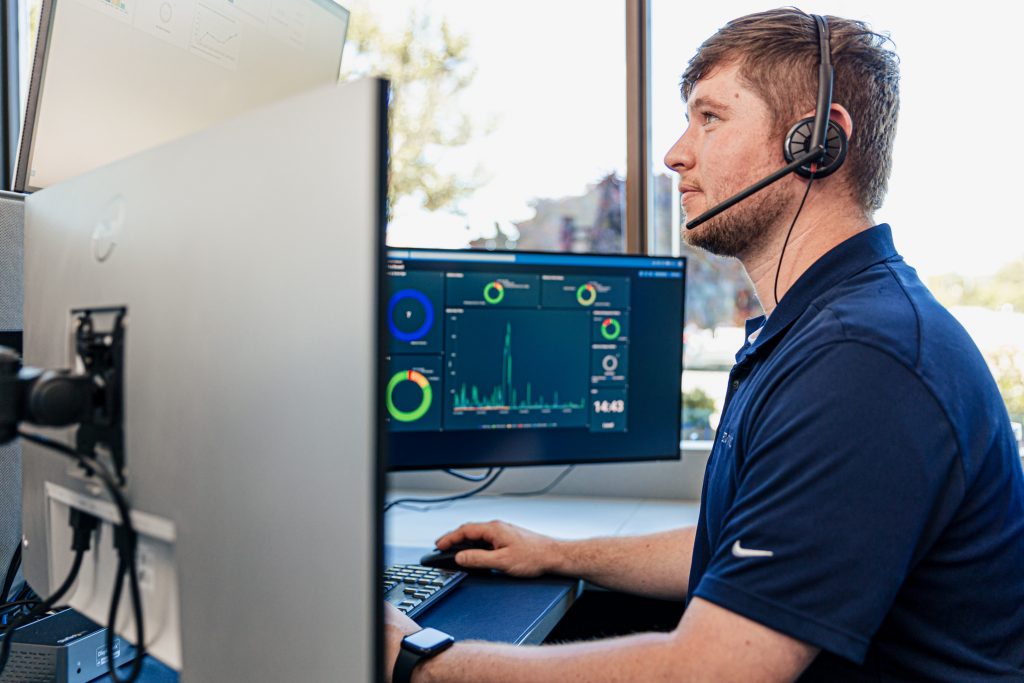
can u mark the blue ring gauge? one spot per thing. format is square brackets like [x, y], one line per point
[428, 308]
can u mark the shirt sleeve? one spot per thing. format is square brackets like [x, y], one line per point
[851, 471]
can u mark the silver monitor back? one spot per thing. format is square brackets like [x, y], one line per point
[247, 256]
[12, 228]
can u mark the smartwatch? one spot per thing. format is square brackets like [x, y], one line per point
[415, 648]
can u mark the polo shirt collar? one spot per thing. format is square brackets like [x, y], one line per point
[845, 260]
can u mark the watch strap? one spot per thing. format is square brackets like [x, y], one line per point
[404, 666]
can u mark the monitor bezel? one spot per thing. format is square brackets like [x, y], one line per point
[677, 455]
[32, 99]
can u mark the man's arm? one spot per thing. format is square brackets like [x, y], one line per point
[655, 565]
[710, 644]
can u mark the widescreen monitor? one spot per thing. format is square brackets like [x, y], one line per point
[114, 77]
[499, 359]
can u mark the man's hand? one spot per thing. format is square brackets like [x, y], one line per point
[516, 551]
[396, 627]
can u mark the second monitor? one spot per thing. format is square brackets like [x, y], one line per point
[498, 359]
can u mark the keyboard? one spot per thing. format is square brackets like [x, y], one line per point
[413, 588]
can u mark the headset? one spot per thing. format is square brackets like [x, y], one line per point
[814, 147]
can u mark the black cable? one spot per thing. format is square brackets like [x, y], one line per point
[125, 567]
[125, 541]
[6, 607]
[447, 499]
[25, 592]
[469, 477]
[783, 253]
[16, 603]
[126, 549]
[540, 492]
[12, 572]
[39, 610]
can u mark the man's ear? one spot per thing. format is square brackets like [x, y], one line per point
[839, 115]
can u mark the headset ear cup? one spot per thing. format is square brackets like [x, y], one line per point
[798, 141]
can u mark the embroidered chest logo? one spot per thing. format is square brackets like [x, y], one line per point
[739, 551]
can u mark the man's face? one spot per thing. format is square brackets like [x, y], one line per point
[726, 147]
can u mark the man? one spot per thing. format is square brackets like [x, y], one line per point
[863, 508]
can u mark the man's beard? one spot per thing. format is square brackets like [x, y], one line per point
[742, 229]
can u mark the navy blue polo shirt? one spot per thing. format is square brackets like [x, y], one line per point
[864, 493]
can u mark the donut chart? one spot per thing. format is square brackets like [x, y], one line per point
[586, 294]
[494, 292]
[611, 329]
[610, 363]
[405, 302]
[427, 396]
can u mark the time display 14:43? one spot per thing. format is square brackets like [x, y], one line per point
[617, 406]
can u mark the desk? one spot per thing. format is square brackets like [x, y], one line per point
[568, 517]
[152, 672]
[499, 608]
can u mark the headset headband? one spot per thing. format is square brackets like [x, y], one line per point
[818, 148]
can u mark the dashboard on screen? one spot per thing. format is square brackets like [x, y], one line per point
[499, 359]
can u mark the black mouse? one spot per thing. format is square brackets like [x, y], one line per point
[445, 559]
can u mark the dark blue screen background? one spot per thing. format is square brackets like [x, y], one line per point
[650, 355]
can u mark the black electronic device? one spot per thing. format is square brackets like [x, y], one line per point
[515, 358]
[814, 147]
[445, 559]
[64, 647]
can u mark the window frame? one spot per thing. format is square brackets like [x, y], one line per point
[639, 188]
[10, 88]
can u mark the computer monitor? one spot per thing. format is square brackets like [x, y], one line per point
[498, 359]
[113, 77]
[250, 386]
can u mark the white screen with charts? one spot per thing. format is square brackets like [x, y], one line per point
[121, 76]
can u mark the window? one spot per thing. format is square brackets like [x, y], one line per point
[509, 132]
[508, 120]
[950, 200]
[30, 28]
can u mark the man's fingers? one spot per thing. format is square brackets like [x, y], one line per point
[467, 532]
[479, 559]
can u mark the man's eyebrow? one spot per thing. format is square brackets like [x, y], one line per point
[704, 101]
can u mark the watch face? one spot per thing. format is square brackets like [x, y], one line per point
[427, 641]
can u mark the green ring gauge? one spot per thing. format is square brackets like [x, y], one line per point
[586, 294]
[494, 292]
[611, 329]
[424, 406]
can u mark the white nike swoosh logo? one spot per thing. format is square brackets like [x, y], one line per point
[739, 551]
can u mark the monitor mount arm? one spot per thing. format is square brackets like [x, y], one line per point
[90, 399]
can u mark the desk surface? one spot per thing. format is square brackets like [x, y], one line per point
[568, 517]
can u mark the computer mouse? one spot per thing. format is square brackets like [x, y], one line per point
[445, 559]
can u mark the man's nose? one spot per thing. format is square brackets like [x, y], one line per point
[680, 155]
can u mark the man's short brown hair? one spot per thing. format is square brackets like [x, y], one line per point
[778, 54]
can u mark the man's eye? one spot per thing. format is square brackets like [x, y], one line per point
[709, 117]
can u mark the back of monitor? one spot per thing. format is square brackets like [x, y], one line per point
[12, 228]
[247, 258]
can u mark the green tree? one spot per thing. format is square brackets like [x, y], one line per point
[1008, 367]
[1004, 288]
[697, 408]
[428, 65]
